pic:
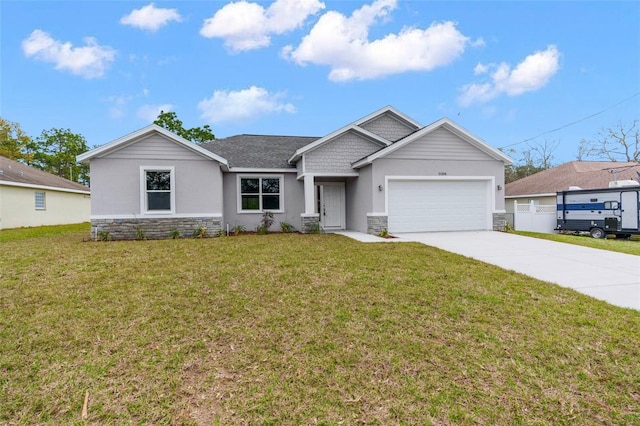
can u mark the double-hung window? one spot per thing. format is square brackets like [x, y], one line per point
[158, 189]
[260, 193]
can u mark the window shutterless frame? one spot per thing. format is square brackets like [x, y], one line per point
[40, 200]
[157, 190]
[258, 193]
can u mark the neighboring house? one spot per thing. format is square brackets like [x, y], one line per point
[31, 197]
[383, 171]
[541, 187]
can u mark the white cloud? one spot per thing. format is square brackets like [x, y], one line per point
[242, 105]
[246, 26]
[89, 61]
[150, 18]
[533, 73]
[479, 42]
[150, 112]
[119, 104]
[342, 43]
[480, 69]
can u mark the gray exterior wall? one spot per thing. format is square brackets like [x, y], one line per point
[388, 127]
[299, 167]
[359, 200]
[337, 155]
[115, 179]
[440, 145]
[293, 203]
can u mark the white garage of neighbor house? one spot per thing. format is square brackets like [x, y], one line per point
[383, 171]
[31, 197]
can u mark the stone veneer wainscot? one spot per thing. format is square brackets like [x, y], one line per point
[154, 228]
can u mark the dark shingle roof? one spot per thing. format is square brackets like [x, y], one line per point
[258, 151]
[585, 174]
[12, 171]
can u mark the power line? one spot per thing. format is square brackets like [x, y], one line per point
[573, 122]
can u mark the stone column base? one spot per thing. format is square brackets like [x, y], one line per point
[499, 221]
[377, 223]
[310, 223]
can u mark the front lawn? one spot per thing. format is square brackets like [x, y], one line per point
[299, 329]
[622, 246]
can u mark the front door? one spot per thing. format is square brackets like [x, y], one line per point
[330, 197]
[629, 205]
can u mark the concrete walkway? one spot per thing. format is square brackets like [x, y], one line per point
[605, 275]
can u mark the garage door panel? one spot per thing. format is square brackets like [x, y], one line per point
[422, 206]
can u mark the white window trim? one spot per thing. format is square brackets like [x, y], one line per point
[259, 176]
[143, 190]
[44, 200]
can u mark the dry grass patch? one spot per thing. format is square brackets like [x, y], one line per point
[299, 329]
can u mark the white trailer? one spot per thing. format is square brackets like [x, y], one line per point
[600, 211]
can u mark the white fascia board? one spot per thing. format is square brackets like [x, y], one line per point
[258, 170]
[333, 135]
[47, 188]
[443, 122]
[549, 194]
[138, 134]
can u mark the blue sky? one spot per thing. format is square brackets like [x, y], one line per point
[506, 71]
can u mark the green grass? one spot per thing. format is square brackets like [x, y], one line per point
[299, 329]
[618, 245]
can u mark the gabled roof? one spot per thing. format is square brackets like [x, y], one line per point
[145, 132]
[258, 151]
[400, 116]
[355, 127]
[442, 123]
[13, 173]
[584, 174]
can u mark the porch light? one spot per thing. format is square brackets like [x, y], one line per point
[379, 187]
[499, 187]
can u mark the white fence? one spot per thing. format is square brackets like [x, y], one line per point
[534, 217]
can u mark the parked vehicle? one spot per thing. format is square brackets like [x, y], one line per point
[600, 212]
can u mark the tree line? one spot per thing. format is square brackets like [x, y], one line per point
[55, 150]
[618, 143]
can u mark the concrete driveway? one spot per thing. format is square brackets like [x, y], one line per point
[605, 275]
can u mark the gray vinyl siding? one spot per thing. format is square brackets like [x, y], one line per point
[293, 203]
[388, 127]
[440, 144]
[155, 147]
[337, 155]
[116, 187]
[429, 168]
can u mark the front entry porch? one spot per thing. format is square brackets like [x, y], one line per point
[325, 204]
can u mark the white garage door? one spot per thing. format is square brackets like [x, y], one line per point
[438, 205]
